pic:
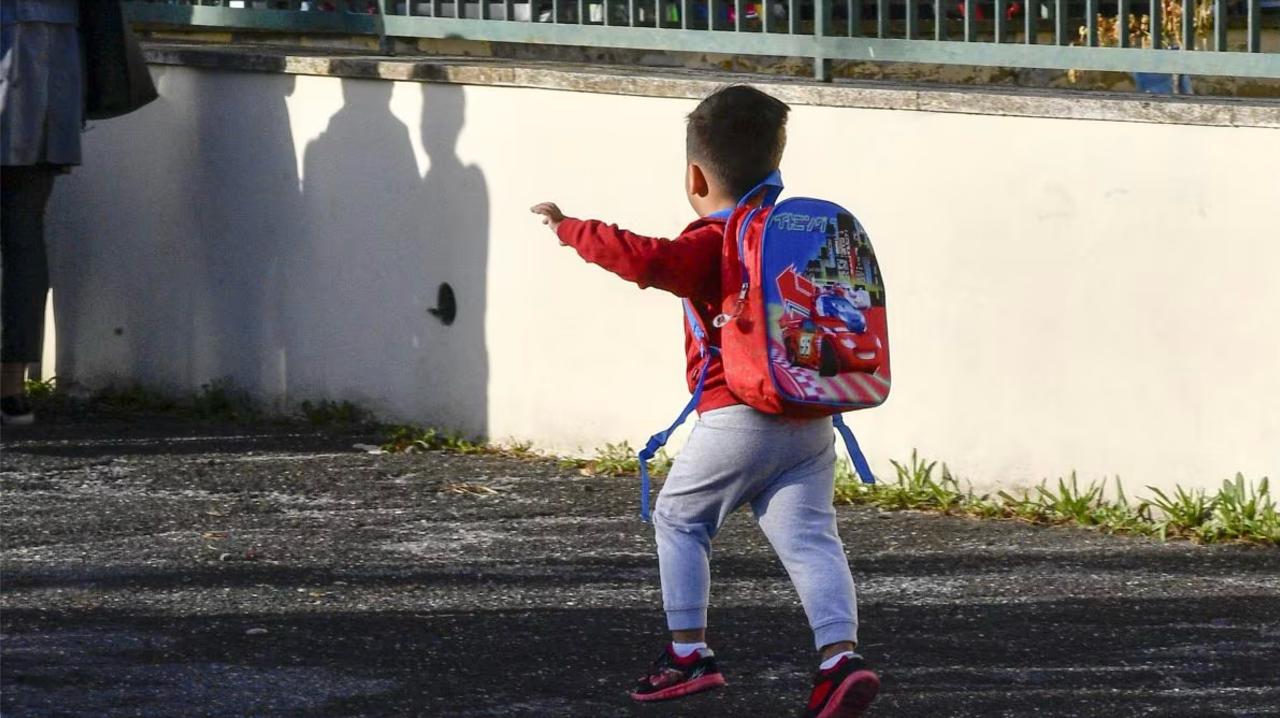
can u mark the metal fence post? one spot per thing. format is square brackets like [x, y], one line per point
[385, 44]
[1122, 23]
[1253, 27]
[821, 16]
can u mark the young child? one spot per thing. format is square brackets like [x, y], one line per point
[783, 468]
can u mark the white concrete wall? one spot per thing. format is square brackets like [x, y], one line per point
[1062, 294]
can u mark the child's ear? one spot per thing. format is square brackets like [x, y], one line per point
[697, 181]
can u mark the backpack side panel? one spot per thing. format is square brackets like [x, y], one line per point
[744, 340]
[823, 309]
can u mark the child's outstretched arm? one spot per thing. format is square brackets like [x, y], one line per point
[688, 266]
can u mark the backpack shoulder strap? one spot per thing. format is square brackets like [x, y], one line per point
[767, 192]
[660, 439]
[760, 199]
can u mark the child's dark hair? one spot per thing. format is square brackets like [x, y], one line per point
[736, 133]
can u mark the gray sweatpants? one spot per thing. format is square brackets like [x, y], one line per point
[785, 468]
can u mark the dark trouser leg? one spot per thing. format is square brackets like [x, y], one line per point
[24, 192]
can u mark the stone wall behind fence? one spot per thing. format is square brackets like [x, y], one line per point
[1073, 282]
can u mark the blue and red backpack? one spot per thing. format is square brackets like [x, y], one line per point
[804, 334]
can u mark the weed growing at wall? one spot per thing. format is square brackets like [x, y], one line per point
[326, 413]
[42, 391]
[617, 460]
[223, 401]
[409, 438]
[1239, 511]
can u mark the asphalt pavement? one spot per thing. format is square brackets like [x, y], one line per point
[154, 566]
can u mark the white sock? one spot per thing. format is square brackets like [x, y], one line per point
[684, 649]
[832, 661]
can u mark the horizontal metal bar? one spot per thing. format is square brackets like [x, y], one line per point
[265, 20]
[1238, 64]
[946, 52]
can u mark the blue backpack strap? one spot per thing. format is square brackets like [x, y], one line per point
[768, 191]
[771, 187]
[659, 440]
[855, 452]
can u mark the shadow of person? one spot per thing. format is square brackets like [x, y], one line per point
[248, 213]
[167, 243]
[454, 206]
[358, 290]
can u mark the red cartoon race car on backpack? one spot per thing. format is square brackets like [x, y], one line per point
[833, 339]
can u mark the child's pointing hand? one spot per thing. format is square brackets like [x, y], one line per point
[551, 214]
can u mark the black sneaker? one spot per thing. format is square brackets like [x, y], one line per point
[16, 411]
[672, 676]
[843, 691]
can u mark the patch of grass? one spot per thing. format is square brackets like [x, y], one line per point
[48, 396]
[219, 400]
[519, 449]
[1068, 503]
[41, 391]
[222, 400]
[1239, 511]
[618, 460]
[1119, 516]
[334, 413]
[1183, 514]
[133, 399]
[1024, 507]
[408, 438]
[913, 487]
[1243, 511]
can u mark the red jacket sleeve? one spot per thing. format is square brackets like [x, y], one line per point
[688, 266]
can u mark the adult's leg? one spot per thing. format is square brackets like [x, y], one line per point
[797, 515]
[24, 194]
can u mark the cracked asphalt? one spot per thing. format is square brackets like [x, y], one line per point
[153, 566]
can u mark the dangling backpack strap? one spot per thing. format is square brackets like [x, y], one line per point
[855, 452]
[659, 440]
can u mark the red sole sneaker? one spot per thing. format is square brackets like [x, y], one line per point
[852, 696]
[697, 685]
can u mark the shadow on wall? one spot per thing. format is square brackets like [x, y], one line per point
[292, 287]
[171, 273]
[248, 211]
[379, 241]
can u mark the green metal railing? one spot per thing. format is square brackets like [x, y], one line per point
[1214, 37]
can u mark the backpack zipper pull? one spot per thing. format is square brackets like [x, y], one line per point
[723, 319]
